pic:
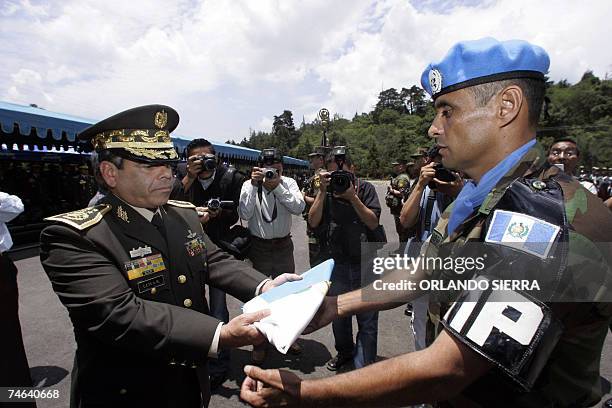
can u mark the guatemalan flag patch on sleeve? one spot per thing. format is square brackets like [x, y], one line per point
[522, 232]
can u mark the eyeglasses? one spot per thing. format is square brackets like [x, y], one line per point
[569, 152]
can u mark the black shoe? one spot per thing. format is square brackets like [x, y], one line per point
[216, 380]
[337, 362]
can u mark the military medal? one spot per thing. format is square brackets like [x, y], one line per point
[144, 266]
[140, 251]
[195, 246]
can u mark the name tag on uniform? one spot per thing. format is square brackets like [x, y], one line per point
[144, 266]
[195, 246]
[147, 284]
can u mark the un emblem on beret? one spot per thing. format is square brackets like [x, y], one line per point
[435, 81]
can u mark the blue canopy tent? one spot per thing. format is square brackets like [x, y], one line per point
[33, 129]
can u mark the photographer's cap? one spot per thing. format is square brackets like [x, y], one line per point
[470, 63]
[319, 151]
[419, 152]
[139, 134]
[399, 161]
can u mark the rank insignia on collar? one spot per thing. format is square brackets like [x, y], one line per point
[140, 252]
[121, 213]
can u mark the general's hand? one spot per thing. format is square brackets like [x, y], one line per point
[328, 311]
[428, 173]
[257, 176]
[194, 166]
[270, 388]
[279, 280]
[240, 330]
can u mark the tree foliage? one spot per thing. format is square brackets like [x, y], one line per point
[400, 120]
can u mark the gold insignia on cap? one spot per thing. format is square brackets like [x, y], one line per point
[161, 119]
[121, 213]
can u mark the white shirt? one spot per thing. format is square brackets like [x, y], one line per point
[205, 183]
[10, 207]
[288, 200]
[589, 186]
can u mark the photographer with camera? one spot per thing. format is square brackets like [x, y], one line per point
[435, 189]
[349, 210]
[215, 190]
[268, 202]
[316, 242]
[397, 192]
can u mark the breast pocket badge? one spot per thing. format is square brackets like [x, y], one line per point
[195, 246]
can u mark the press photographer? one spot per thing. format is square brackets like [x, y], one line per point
[215, 190]
[268, 203]
[347, 210]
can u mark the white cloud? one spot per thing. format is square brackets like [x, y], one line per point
[228, 65]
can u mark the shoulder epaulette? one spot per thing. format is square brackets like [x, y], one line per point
[183, 204]
[81, 219]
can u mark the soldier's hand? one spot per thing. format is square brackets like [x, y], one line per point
[257, 176]
[279, 280]
[270, 388]
[240, 331]
[428, 172]
[194, 166]
[328, 311]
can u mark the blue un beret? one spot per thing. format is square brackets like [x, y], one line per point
[470, 63]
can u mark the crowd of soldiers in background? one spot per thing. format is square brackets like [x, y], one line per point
[601, 178]
[47, 188]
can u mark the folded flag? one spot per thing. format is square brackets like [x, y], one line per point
[292, 306]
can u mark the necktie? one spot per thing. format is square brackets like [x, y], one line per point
[158, 222]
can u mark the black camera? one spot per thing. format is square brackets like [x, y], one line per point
[340, 179]
[442, 173]
[270, 172]
[270, 156]
[209, 161]
[217, 203]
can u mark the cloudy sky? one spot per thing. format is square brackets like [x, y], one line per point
[230, 66]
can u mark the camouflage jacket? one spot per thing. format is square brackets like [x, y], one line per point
[570, 372]
[311, 188]
[401, 183]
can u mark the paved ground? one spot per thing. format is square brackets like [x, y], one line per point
[50, 343]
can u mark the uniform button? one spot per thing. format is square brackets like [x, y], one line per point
[172, 362]
[187, 302]
[182, 279]
[194, 366]
[123, 391]
[153, 291]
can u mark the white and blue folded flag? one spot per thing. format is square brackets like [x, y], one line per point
[292, 306]
[523, 232]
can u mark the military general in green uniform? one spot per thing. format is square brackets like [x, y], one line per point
[397, 192]
[521, 221]
[132, 270]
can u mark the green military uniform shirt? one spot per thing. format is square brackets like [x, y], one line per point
[570, 375]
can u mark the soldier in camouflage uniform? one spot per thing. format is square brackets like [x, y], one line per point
[397, 192]
[317, 241]
[525, 219]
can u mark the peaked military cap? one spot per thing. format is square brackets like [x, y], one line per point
[419, 152]
[139, 134]
[470, 63]
[319, 151]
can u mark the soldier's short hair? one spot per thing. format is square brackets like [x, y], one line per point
[533, 90]
[99, 157]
